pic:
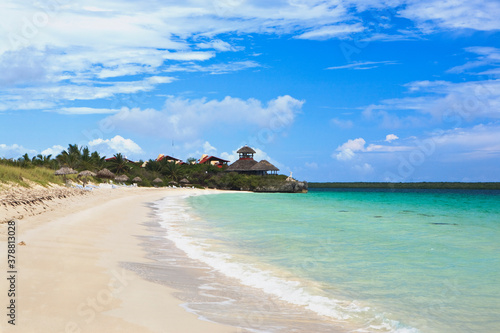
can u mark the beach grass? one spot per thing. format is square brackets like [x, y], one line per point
[27, 176]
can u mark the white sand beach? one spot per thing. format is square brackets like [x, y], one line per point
[69, 277]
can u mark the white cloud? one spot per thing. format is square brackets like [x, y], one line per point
[14, 151]
[54, 150]
[364, 65]
[391, 137]
[449, 14]
[443, 101]
[187, 119]
[348, 150]
[219, 45]
[214, 68]
[85, 110]
[115, 145]
[335, 31]
[486, 56]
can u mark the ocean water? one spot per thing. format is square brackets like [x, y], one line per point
[345, 260]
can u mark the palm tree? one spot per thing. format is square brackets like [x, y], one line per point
[70, 157]
[97, 161]
[25, 161]
[119, 164]
[172, 170]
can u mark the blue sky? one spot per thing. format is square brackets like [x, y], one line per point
[329, 90]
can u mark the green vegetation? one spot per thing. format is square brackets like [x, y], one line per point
[25, 176]
[40, 169]
[421, 185]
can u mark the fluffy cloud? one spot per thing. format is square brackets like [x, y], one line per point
[391, 137]
[115, 145]
[187, 119]
[14, 151]
[348, 150]
[54, 150]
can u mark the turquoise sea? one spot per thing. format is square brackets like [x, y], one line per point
[363, 260]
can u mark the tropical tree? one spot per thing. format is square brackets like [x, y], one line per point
[118, 164]
[97, 161]
[172, 170]
[70, 157]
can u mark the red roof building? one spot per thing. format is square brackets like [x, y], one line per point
[212, 160]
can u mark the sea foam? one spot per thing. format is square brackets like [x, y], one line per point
[174, 216]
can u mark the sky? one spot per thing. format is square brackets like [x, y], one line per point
[370, 90]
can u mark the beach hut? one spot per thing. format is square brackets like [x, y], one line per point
[137, 180]
[184, 182]
[174, 183]
[263, 167]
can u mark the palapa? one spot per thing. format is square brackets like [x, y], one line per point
[157, 180]
[173, 183]
[87, 173]
[184, 181]
[137, 180]
[65, 171]
[122, 178]
[105, 173]
[246, 150]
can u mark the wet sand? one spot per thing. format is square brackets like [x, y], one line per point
[71, 274]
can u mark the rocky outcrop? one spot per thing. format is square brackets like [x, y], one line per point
[284, 187]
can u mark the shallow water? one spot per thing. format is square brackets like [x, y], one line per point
[364, 261]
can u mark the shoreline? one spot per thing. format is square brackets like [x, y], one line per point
[70, 272]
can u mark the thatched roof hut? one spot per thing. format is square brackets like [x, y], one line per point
[246, 150]
[184, 181]
[137, 180]
[242, 165]
[264, 166]
[105, 173]
[157, 180]
[87, 173]
[122, 178]
[173, 183]
[65, 171]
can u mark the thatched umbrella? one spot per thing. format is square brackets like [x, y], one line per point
[173, 183]
[184, 181]
[157, 181]
[122, 178]
[137, 180]
[87, 173]
[105, 173]
[84, 175]
[65, 171]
